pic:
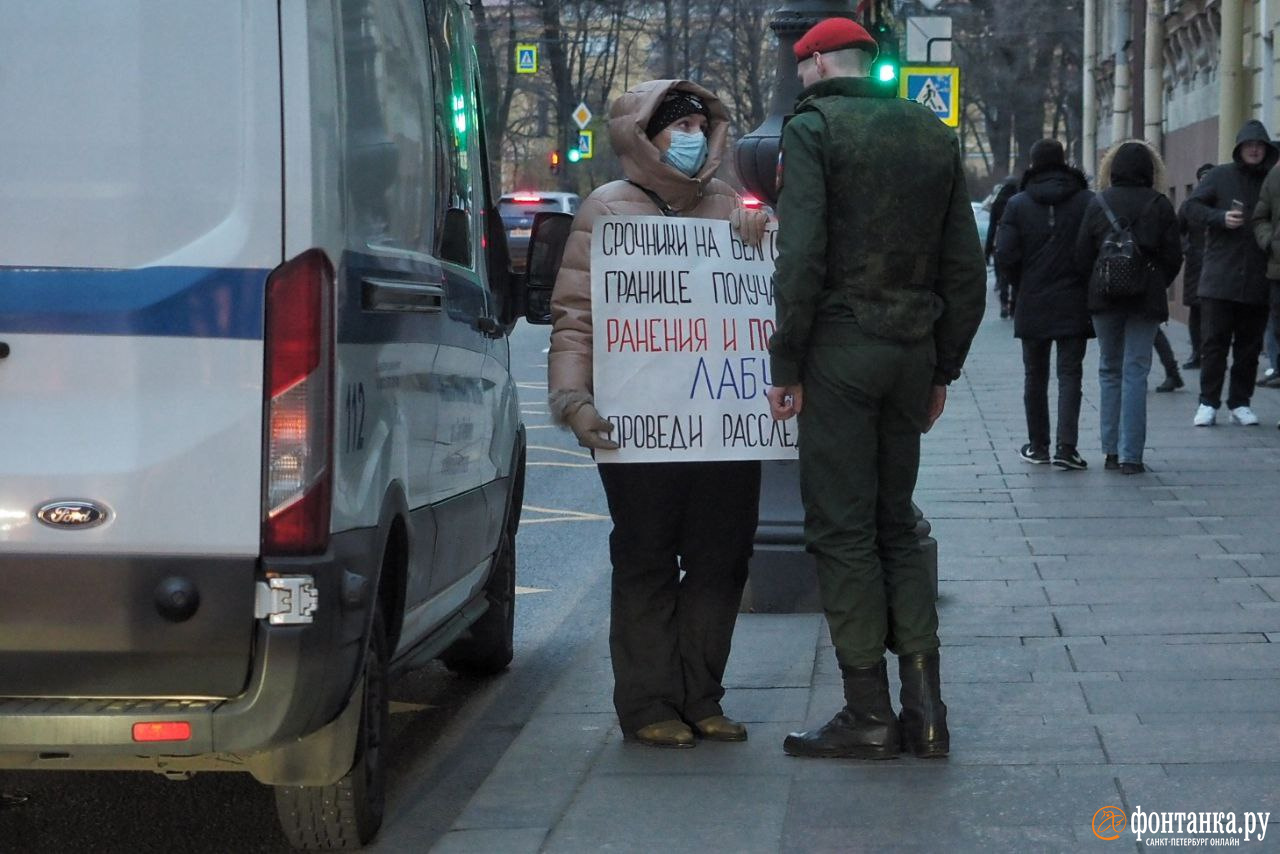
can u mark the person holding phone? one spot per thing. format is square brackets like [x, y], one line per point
[1234, 292]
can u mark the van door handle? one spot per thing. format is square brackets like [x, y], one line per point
[395, 295]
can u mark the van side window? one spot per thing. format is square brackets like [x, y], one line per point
[388, 142]
[454, 128]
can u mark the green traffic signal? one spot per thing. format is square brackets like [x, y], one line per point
[574, 155]
[886, 72]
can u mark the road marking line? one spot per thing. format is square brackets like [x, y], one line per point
[564, 519]
[520, 591]
[565, 465]
[577, 513]
[395, 707]
[531, 385]
[564, 451]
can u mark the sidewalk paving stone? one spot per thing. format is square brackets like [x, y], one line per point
[1107, 641]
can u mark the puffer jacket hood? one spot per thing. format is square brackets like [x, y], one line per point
[629, 114]
[1053, 184]
[1255, 131]
[1124, 166]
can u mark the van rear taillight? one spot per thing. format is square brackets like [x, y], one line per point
[299, 406]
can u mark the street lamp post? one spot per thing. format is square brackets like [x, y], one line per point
[783, 577]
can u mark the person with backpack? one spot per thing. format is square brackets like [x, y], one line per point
[1129, 246]
[1234, 291]
[1035, 248]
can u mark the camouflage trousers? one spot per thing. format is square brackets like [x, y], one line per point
[865, 405]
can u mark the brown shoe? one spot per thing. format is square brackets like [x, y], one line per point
[672, 733]
[720, 728]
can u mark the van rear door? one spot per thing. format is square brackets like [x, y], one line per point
[140, 213]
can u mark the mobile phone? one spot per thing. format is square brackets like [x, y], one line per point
[1237, 206]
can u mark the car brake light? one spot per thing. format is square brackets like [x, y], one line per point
[751, 202]
[298, 406]
[162, 731]
[527, 198]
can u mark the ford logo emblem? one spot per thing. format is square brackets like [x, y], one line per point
[72, 514]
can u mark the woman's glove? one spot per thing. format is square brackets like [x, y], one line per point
[749, 225]
[592, 430]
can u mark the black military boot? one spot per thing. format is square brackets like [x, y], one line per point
[924, 715]
[864, 729]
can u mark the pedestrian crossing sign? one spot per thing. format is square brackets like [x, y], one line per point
[526, 59]
[586, 143]
[936, 87]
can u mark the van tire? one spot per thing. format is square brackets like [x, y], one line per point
[347, 814]
[489, 645]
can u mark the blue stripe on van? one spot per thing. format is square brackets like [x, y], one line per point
[181, 302]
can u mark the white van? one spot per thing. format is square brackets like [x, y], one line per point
[260, 448]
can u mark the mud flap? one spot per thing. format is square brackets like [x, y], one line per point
[319, 759]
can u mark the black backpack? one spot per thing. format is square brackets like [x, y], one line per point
[1121, 269]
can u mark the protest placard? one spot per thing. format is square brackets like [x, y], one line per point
[682, 311]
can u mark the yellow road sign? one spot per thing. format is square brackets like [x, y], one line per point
[526, 59]
[586, 143]
[936, 87]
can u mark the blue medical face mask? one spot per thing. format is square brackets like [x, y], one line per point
[687, 152]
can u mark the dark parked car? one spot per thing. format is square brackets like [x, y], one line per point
[518, 210]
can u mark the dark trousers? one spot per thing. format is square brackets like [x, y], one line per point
[1035, 392]
[1238, 327]
[1165, 351]
[1193, 329]
[681, 540]
[865, 403]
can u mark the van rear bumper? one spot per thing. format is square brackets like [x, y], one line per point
[301, 678]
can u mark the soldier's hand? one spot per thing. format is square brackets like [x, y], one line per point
[749, 225]
[1234, 219]
[785, 401]
[937, 402]
[591, 430]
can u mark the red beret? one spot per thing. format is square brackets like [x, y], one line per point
[834, 34]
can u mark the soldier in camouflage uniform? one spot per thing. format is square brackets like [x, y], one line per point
[880, 287]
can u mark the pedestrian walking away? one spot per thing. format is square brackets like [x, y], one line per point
[870, 330]
[1193, 254]
[1126, 318]
[1164, 351]
[1005, 287]
[1036, 249]
[1233, 290]
[682, 531]
[1266, 231]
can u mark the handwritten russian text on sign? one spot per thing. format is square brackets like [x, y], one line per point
[681, 312]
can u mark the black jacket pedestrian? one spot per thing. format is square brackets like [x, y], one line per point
[1036, 250]
[1234, 267]
[998, 205]
[1193, 255]
[1129, 175]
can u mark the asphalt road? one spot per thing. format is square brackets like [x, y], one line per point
[447, 731]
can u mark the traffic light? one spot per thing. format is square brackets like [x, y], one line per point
[885, 70]
[555, 163]
[575, 154]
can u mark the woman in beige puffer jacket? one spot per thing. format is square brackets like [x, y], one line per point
[682, 531]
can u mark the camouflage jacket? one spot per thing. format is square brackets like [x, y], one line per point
[875, 227]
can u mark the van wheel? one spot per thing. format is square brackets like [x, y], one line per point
[488, 647]
[347, 814]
